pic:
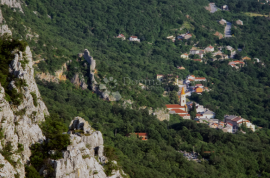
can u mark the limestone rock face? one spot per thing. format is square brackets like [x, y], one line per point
[79, 82]
[3, 27]
[19, 124]
[92, 63]
[59, 75]
[79, 159]
[12, 4]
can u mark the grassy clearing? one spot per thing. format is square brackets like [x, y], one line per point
[251, 14]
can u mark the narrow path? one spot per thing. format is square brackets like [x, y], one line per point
[227, 30]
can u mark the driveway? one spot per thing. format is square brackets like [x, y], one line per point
[227, 31]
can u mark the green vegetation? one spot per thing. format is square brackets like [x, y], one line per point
[53, 129]
[20, 148]
[158, 157]
[31, 172]
[6, 56]
[76, 25]
[34, 98]
[7, 153]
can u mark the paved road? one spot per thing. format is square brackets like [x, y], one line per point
[227, 31]
[213, 8]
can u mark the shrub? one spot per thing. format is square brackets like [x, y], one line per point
[85, 156]
[20, 148]
[21, 112]
[31, 172]
[7, 153]
[34, 98]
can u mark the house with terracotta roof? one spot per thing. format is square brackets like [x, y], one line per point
[209, 49]
[181, 109]
[188, 36]
[199, 85]
[192, 78]
[184, 56]
[143, 136]
[197, 60]
[237, 121]
[198, 90]
[246, 58]
[160, 77]
[121, 36]
[181, 68]
[134, 38]
[236, 64]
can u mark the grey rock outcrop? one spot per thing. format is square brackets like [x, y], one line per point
[92, 64]
[12, 4]
[79, 81]
[79, 159]
[3, 27]
[19, 124]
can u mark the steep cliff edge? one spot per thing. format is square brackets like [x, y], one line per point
[19, 123]
[83, 158]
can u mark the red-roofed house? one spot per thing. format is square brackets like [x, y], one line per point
[199, 85]
[134, 38]
[143, 136]
[209, 49]
[121, 36]
[184, 56]
[198, 60]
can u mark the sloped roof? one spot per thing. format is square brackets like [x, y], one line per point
[175, 106]
[179, 111]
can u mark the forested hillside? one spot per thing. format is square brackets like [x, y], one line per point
[65, 28]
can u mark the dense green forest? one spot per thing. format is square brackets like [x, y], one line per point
[239, 155]
[66, 28]
[260, 6]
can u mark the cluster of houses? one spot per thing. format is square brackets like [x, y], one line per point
[131, 38]
[204, 115]
[217, 55]
[184, 36]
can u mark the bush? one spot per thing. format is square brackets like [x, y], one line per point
[34, 98]
[31, 172]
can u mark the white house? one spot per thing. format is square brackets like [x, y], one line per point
[121, 36]
[134, 38]
[184, 56]
[209, 49]
[209, 114]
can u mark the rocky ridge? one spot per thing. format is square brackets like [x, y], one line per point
[84, 157]
[19, 124]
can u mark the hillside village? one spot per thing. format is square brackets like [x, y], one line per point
[230, 124]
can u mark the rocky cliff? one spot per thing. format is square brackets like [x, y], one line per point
[19, 123]
[92, 64]
[12, 4]
[58, 75]
[3, 27]
[84, 157]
